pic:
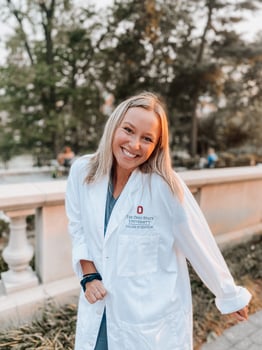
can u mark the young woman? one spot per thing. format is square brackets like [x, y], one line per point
[133, 224]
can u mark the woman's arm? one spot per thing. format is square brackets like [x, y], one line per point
[75, 182]
[195, 240]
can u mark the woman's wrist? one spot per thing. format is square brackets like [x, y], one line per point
[89, 278]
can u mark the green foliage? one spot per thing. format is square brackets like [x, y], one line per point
[51, 95]
[4, 227]
[3, 264]
[53, 84]
[7, 146]
[4, 230]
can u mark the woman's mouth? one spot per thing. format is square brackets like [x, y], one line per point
[128, 154]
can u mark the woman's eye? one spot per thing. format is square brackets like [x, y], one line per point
[148, 139]
[126, 128]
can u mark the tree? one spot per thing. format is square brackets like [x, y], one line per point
[58, 72]
[238, 121]
[50, 87]
[202, 57]
[176, 48]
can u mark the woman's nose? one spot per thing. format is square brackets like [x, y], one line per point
[135, 142]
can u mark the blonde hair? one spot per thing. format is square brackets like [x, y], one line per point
[159, 162]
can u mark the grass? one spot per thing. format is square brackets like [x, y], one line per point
[56, 329]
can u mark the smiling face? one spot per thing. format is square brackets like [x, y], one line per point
[135, 139]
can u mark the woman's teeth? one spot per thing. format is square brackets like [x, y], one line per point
[128, 154]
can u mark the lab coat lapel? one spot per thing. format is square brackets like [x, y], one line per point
[124, 202]
[98, 193]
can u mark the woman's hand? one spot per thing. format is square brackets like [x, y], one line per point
[240, 315]
[95, 291]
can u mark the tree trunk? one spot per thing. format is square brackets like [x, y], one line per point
[194, 131]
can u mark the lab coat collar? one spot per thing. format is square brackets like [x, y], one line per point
[124, 202]
[98, 194]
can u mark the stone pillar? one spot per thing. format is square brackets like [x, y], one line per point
[53, 244]
[18, 255]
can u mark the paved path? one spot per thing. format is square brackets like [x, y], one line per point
[243, 336]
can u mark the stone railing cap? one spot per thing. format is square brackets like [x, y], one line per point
[221, 175]
[32, 195]
[37, 194]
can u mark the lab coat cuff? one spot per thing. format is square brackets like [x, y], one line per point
[235, 302]
[80, 253]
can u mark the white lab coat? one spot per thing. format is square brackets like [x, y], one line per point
[142, 260]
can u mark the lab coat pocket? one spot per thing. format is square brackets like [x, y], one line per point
[137, 254]
[158, 335]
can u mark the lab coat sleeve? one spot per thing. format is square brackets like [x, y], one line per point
[199, 246]
[73, 209]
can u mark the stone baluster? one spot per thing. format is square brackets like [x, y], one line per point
[18, 254]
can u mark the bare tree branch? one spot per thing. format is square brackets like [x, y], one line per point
[19, 19]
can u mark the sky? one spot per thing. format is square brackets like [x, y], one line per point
[247, 28]
[252, 25]
[7, 29]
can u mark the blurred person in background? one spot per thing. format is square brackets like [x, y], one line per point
[212, 158]
[66, 157]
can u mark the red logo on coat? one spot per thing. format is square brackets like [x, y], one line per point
[139, 209]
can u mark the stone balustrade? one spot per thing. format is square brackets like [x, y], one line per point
[18, 254]
[230, 199]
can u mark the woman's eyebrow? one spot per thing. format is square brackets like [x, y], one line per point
[133, 126]
[129, 123]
